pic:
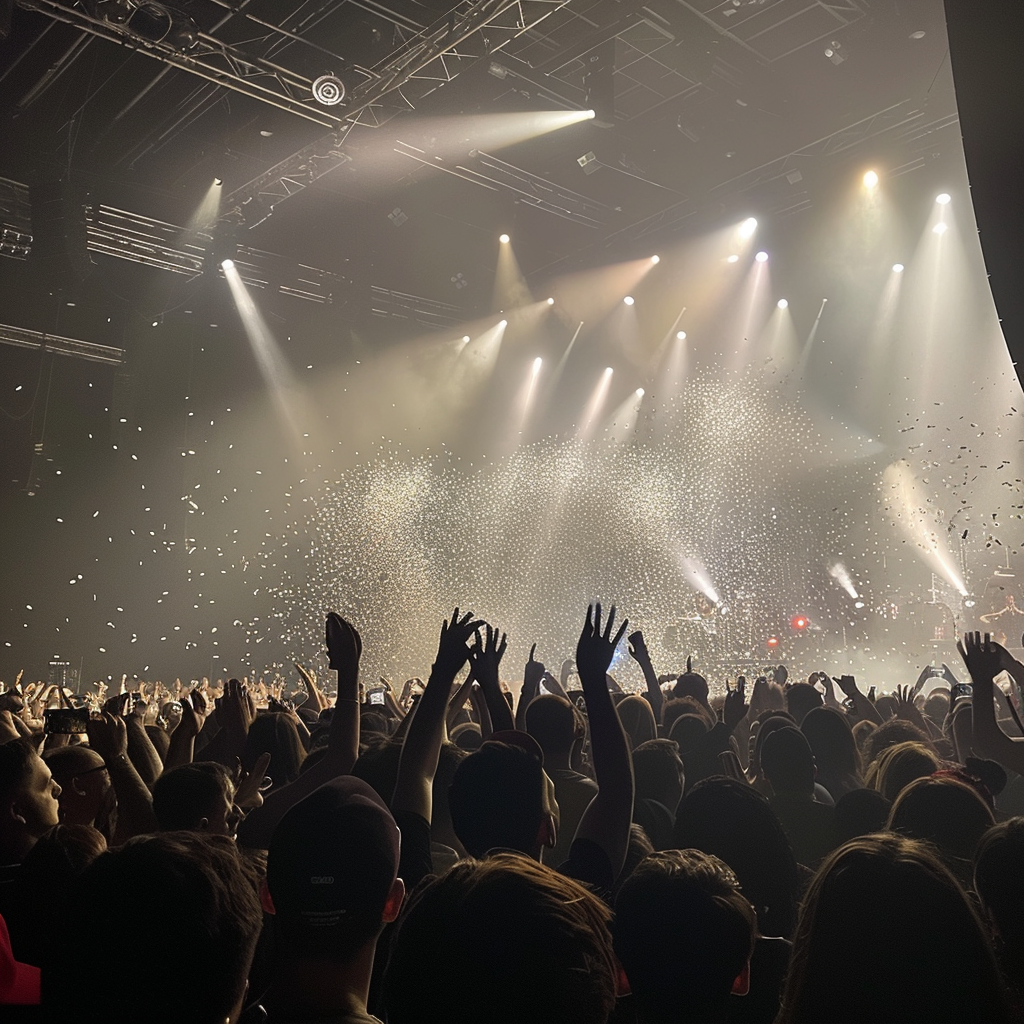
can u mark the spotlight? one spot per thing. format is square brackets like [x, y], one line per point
[503, 323]
[465, 339]
[897, 268]
[504, 239]
[773, 642]
[228, 264]
[680, 335]
[870, 179]
[835, 53]
[733, 259]
[940, 228]
[589, 162]
[748, 227]
[329, 90]
[639, 392]
[608, 371]
[629, 300]
[783, 303]
[591, 114]
[655, 259]
[218, 181]
[969, 602]
[761, 257]
[551, 302]
[798, 622]
[537, 363]
[858, 604]
[943, 199]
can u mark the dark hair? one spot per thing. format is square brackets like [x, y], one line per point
[538, 941]
[677, 706]
[656, 769]
[787, 762]
[735, 823]
[898, 766]
[889, 733]
[944, 812]
[801, 699]
[16, 760]
[497, 799]
[859, 813]
[552, 722]
[378, 767]
[638, 848]
[637, 719]
[184, 795]
[888, 894]
[682, 908]
[168, 894]
[997, 865]
[831, 739]
[767, 723]
[686, 731]
[275, 733]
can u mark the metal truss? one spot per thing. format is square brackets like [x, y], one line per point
[19, 337]
[218, 62]
[426, 61]
[497, 175]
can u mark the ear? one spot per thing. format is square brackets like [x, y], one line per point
[393, 904]
[741, 986]
[202, 824]
[547, 834]
[265, 899]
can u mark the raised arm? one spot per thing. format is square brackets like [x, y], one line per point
[638, 652]
[422, 747]
[862, 707]
[108, 736]
[532, 675]
[487, 657]
[607, 820]
[345, 648]
[140, 747]
[985, 659]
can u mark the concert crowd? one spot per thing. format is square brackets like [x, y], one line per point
[504, 843]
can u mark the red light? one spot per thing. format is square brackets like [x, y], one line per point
[773, 641]
[799, 622]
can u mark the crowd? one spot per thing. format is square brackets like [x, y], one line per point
[789, 851]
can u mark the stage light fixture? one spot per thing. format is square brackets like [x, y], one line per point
[680, 335]
[503, 323]
[639, 392]
[733, 259]
[799, 622]
[943, 199]
[228, 264]
[537, 364]
[858, 604]
[835, 52]
[465, 339]
[748, 227]
[897, 268]
[504, 239]
[783, 303]
[608, 371]
[773, 642]
[761, 257]
[329, 90]
[969, 602]
[218, 181]
[870, 179]
[940, 228]
[591, 114]
[655, 259]
[551, 301]
[589, 162]
[629, 300]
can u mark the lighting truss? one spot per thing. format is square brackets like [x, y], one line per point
[20, 337]
[426, 61]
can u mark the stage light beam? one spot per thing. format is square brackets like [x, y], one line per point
[871, 179]
[748, 227]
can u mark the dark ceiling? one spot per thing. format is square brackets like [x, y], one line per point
[720, 109]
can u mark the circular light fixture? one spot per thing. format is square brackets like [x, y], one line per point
[870, 179]
[733, 259]
[328, 90]
[608, 371]
[943, 199]
[228, 264]
[629, 300]
[537, 363]
[897, 268]
[655, 259]
[503, 323]
[639, 392]
[551, 302]
[748, 227]
[783, 303]
[680, 335]
[504, 239]
[465, 339]
[761, 257]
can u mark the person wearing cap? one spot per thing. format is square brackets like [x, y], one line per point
[332, 885]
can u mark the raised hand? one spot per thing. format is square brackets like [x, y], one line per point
[984, 658]
[906, 708]
[487, 655]
[848, 684]
[235, 710]
[194, 710]
[345, 647]
[108, 735]
[316, 700]
[735, 708]
[453, 645]
[595, 649]
[249, 787]
[533, 673]
[637, 646]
